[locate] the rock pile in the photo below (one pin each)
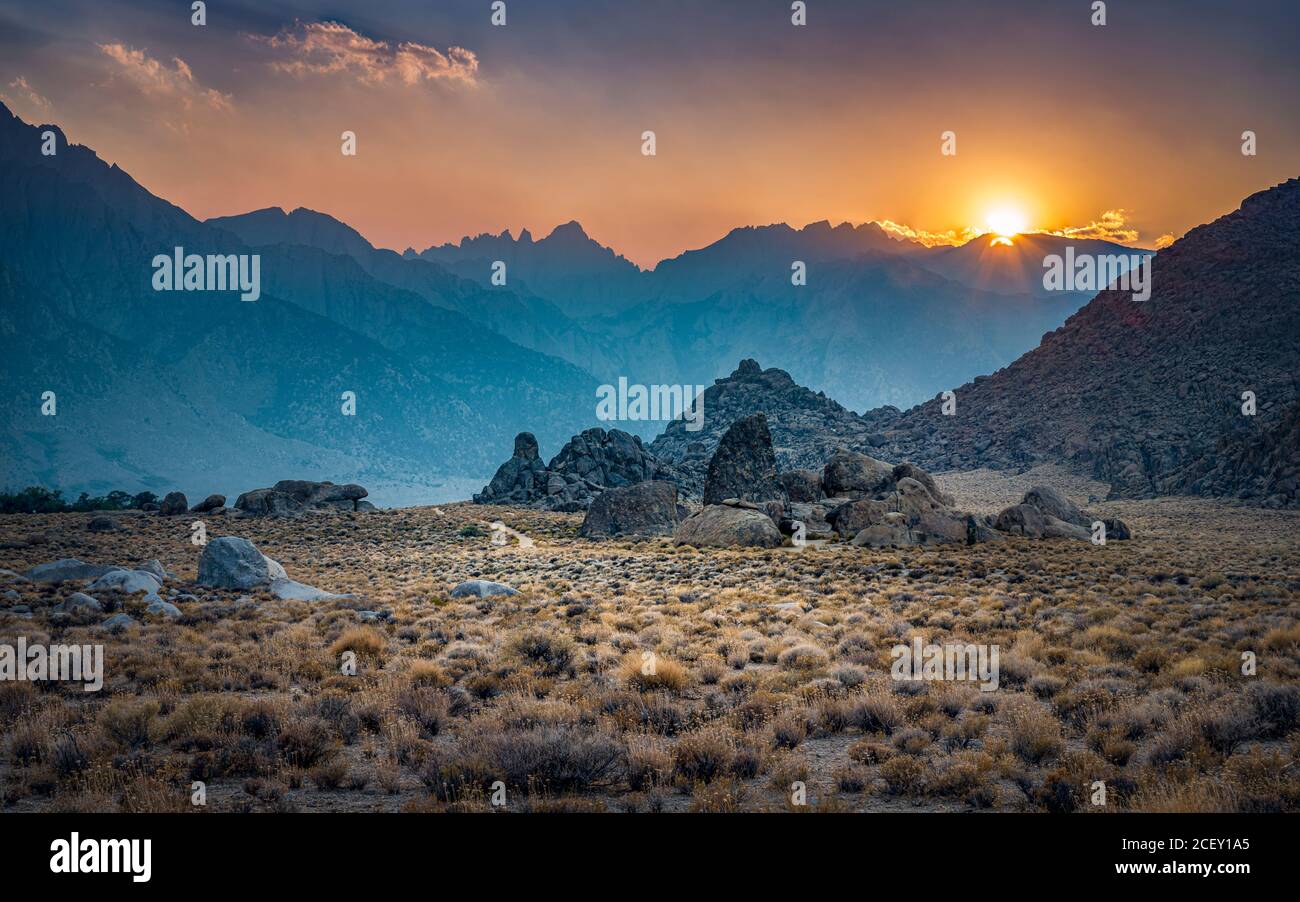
(857, 497)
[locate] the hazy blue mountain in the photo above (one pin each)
(508, 310)
(880, 321)
(201, 391)
(581, 276)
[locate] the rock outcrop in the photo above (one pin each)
(806, 426)
(290, 497)
(1046, 513)
(590, 463)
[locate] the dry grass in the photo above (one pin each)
(629, 675)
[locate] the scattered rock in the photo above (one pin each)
(481, 588)
(103, 524)
(722, 526)
(156, 568)
(210, 503)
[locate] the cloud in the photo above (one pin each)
(929, 239)
(1164, 241)
(1111, 227)
(157, 80)
(324, 48)
(26, 96)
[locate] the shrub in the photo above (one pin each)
(362, 640)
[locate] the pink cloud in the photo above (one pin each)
(153, 78)
(323, 48)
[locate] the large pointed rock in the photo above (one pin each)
(744, 466)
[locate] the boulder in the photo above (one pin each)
(289, 590)
(802, 485)
(893, 533)
(79, 602)
(210, 503)
(1027, 520)
(907, 470)
(722, 526)
(647, 508)
(813, 515)
(128, 582)
(481, 588)
(232, 563)
(744, 464)
(118, 622)
(160, 608)
(1053, 504)
(156, 568)
(173, 505)
(1117, 529)
(103, 524)
(854, 516)
(67, 568)
(855, 475)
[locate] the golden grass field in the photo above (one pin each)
(1120, 663)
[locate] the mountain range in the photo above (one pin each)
(201, 391)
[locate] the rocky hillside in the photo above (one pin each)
(1148, 395)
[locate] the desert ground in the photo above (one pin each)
(1120, 663)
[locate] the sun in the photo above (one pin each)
(1006, 222)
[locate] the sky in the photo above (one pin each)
(1131, 130)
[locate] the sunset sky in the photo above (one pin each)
(1131, 130)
